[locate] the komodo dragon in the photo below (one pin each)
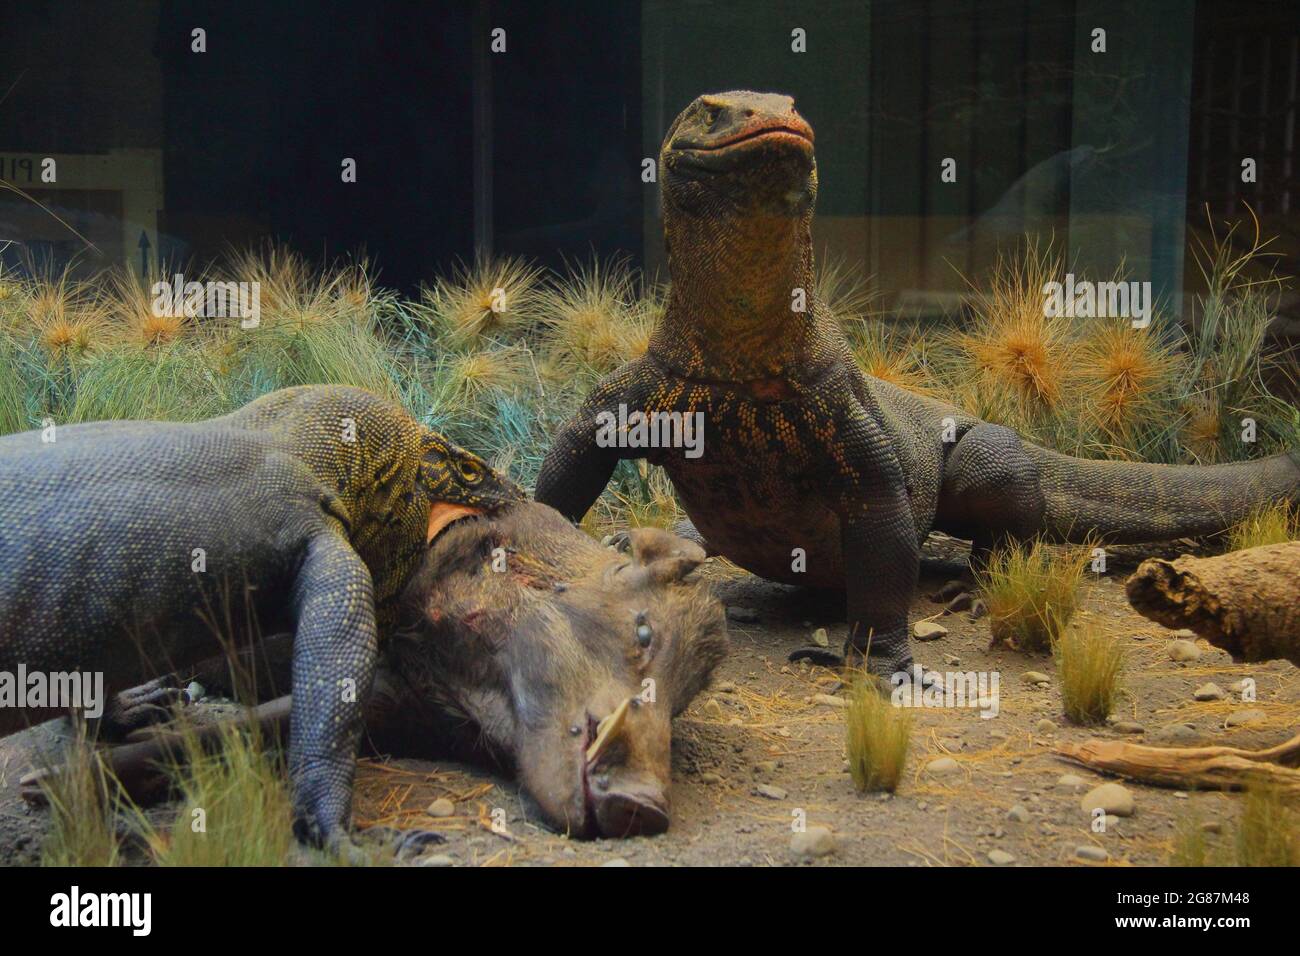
(802, 450)
(122, 545)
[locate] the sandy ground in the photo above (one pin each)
(760, 727)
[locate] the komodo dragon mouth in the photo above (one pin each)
(444, 514)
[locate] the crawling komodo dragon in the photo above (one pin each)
(136, 548)
(803, 451)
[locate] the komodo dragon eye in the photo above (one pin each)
(471, 472)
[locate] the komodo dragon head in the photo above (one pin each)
(395, 484)
(739, 181)
(739, 154)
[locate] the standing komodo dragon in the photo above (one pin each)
(125, 547)
(801, 450)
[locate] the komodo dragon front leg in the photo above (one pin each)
(880, 547)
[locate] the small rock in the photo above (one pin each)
(1183, 651)
(771, 791)
(195, 691)
(617, 861)
(821, 638)
(1001, 858)
(1186, 633)
(1094, 853)
(1240, 686)
(1070, 781)
(812, 843)
(829, 700)
(713, 708)
(711, 778)
(742, 615)
(1239, 717)
(1035, 677)
(1209, 691)
(928, 631)
(1177, 735)
(1045, 726)
(1111, 797)
(952, 660)
(1128, 727)
(765, 766)
(727, 687)
(1018, 814)
(1212, 826)
(942, 766)
(442, 807)
(437, 859)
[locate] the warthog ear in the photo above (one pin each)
(663, 556)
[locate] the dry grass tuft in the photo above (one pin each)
(485, 300)
(1089, 665)
(1272, 523)
(594, 320)
(83, 801)
(877, 735)
(1031, 592)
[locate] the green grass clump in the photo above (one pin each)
(1089, 665)
(1032, 592)
(876, 737)
(83, 802)
(1273, 523)
(239, 795)
(177, 381)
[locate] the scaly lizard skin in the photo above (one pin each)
(310, 506)
(803, 451)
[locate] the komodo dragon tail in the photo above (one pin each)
(1131, 502)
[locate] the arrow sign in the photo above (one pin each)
(144, 256)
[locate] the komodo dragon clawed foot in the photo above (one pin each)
(405, 844)
(882, 676)
(140, 707)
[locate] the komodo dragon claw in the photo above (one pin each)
(140, 707)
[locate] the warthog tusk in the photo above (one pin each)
(608, 730)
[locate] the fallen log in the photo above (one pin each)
(1246, 602)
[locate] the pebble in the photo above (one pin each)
(928, 631)
(952, 660)
(1212, 826)
(1018, 814)
(1209, 691)
(1114, 798)
(1071, 781)
(727, 687)
(1001, 858)
(942, 766)
(742, 615)
(442, 807)
(1183, 650)
(1094, 853)
(437, 859)
(1035, 677)
(1128, 727)
(712, 707)
(765, 766)
(617, 861)
(710, 777)
(812, 843)
(821, 638)
(771, 791)
(830, 700)
(1178, 735)
(1239, 717)
(1045, 726)
(195, 691)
